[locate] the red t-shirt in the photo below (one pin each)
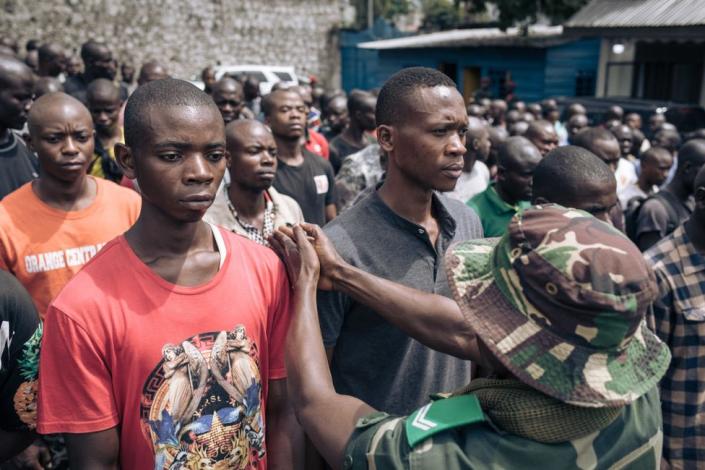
(317, 144)
(182, 370)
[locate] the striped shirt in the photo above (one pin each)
(679, 320)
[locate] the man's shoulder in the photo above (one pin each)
(19, 198)
(117, 193)
(253, 255)
(316, 161)
(466, 218)
(665, 251)
(101, 276)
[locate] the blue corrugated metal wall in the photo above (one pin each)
(565, 62)
(537, 72)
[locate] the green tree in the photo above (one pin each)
(386, 9)
(441, 15)
(449, 14)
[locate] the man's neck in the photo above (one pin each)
(643, 184)
(504, 196)
(695, 229)
(677, 188)
(65, 195)
(248, 203)
(4, 134)
(406, 198)
(108, 136)
(354, 134)
(156, 235)
(290, 151)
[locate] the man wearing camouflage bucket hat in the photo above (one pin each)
(558, 306)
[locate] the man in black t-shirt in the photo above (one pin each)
(20, 335)
(17, 164)
(304, 176)
(97, 63)
(361, 109)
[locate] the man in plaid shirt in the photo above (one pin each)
(679, 320)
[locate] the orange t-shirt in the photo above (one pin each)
(44, 247)
(182, 371)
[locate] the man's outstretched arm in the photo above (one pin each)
(327, 417)
(433, 320)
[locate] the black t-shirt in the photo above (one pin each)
(20, 335)
(311, 184)
(17, 164)
(339, 149)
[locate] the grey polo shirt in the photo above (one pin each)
(372, 359)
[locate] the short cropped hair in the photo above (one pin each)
(588, 136)
(399, 90)
(159, 94)
(268, 100)
(564, 172)
(357, 99)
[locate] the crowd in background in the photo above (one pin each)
(71, 180)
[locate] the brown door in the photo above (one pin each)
(471, 82)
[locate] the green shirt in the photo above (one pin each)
(494, 213)
(632, 441)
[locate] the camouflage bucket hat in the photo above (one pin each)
(560, 300)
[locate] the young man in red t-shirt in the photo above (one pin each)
(167, 349)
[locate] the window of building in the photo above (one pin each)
(585, 83)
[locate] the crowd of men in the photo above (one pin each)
(392, 278)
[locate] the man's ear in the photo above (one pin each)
(700, 198)
(475, 144)
(385, 137)
(126, 160)
(500, 172)
(228, 159)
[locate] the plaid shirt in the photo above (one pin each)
(679, 320)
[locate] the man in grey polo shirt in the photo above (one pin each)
(401, 232)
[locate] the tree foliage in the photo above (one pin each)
(386, 9)
(449, 14)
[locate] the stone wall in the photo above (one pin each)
(190, 34)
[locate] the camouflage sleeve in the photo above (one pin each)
(379, 441)
(348, 185)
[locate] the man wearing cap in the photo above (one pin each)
(556, 308)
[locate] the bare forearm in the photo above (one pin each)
(433, 320)
(285, 439)
(308, 373)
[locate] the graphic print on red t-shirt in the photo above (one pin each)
(200, 406)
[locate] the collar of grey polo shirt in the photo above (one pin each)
(446, 221)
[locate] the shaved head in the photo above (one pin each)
(12, 69)
(152, 71)
(16, 91)
(227, 85)
(103, 90)
(48, 108)
(543, 135)
(238, 130)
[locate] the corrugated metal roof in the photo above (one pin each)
(639, 14)
(537, 35)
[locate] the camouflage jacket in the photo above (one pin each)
(632, 441)
(358, 171)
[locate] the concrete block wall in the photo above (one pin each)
(189, 34)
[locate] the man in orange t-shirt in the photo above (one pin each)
(51, 227)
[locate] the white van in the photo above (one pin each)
(267, 75)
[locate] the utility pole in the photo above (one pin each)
(370, 13)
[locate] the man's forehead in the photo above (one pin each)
(249, 134)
